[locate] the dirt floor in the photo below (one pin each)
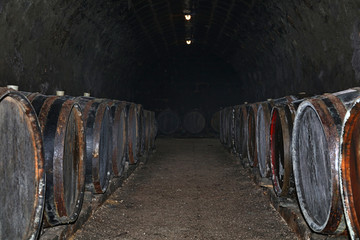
(189, 189)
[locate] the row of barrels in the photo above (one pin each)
(310, 147)
(193, 122)
(54, 148)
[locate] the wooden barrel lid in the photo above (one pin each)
(168, 122)
(22, 178)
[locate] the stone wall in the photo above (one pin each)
(76, 46)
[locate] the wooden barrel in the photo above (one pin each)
(251, 141)
(98, 133)
(194, 122)
(280, 156)
(142, 129)
(315, 156)
(134, 133)
(215, 122)
(349, 169)
(148, 133)
(119, 136)
(229, 126)
(222, 126)
(263, 134)
(168, 122)
(22, 178)
(64, 145)
(154, 129)
(241, 131)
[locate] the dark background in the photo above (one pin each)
(243, 50)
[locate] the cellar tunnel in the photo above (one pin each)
(136, 50)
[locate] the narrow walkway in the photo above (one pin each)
(190, 189)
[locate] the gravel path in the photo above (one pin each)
(189, 189)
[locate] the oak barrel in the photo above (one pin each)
(263, 133)
(64, 146)
(315, 156)
(194, 122)
(119, 136)
(98, 134)
(280, 150)
(240, 130)
(215, 122)
(350, 170)
(168, 122)
(134, 133)
(251, 141)
(22, 178)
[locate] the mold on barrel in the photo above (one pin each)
(22, 177)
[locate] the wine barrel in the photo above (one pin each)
(315, 156)
(349, 169)
(119, 136)
(240, 130)
(22, 178)
(280, 156)
(148, 126)
(134, 133)
(98, 134)
(142, 128)
(251, 141)
(168, 122)
(222, 126)
(194, 122)
(215, 122)
(154, 129)
(63, 133)
(229, 128)
(263, 134)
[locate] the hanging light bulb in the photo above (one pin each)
(188, 41)
(187, 17)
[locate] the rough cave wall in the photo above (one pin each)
(76, 46)
(305, 45)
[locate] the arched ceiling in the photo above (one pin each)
(219, 25)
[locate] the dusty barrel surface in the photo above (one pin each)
(215, 122)
(64, 145)
(251, 141)
(119, 136)
(168, 122)
(315, 156)
(349, 169)
(194, 122)
(22, 178)
(98, 134)
(134, 133)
